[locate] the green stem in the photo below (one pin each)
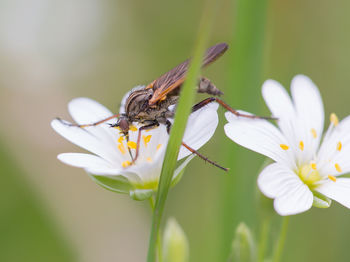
(159, 238)
(263, 241)
(281, 240)
(182, 112)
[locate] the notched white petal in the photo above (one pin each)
(338, 191)
(86, 111)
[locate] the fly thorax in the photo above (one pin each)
(138, 101)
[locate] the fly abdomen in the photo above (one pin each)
(206, 86)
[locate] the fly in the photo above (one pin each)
(150, 105)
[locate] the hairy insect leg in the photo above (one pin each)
(147, 127)
(92, 124)
(227, 107)
(193, 151)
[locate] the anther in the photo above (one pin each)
(126, 164)
(159, 146)
(337, 167)
(313, 166)
(146, 139)
(334, 119)
(120, 139)
(339, 146)
(284, 147)
(313, 132)
(149, 159)
(333, 178)
(301, 145)
(133, 128)
(132, 144)
(121, 148)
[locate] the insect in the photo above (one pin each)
(149, 105)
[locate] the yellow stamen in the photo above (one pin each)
(313, 166)
(132, 145)
(284, 147)
(149, 159)
(159, 146)
(132, 128)
(313, 132)
(121, 148)
(146, 139)
(126, 164)
(337, 167)
(334, 119)
(339, 146)
(116, 127)
(333, 178)
(120, 139)
(301, 145)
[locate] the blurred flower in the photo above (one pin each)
(175, 243)
(306, 172)
(111, 164)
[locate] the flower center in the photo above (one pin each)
(308, 174)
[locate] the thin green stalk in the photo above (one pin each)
(182, 112)
(281, 240)
(242, 92)
(264, 237)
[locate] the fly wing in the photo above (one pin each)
(176, 76)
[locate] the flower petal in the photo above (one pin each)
(335, 149)
(83, 160)
(291, 195)
(310, 113)
(260, 136)
(87, 140)
(85, 110)
(201, 126)
(338, 191)
(296, 200)
(280, 105)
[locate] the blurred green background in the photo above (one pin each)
(52, 51)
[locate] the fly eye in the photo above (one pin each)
(124, 125)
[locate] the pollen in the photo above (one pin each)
(146, 139)
(337, 167)
(313, 132)
(149, 159)
(339, 146)
(133, 128)
(313, 166)
(116, 127)
(159, 146)
(284, 147)
(126, 164)
(334, 119)
(121, 148)
(333, 178)
(120, 139)
(132, 145)
(301, 145)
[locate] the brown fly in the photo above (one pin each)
(149, 105)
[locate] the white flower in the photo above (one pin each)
(305, 172)
(110, 161)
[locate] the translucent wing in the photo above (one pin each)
(176, 76)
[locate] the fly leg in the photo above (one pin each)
(92, 124)
(193, 151)
(147, 127)
(227, 107)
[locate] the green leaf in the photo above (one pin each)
(175, 244)
(118, 184)
(182, 112)
(243, 245)
(321, 201)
